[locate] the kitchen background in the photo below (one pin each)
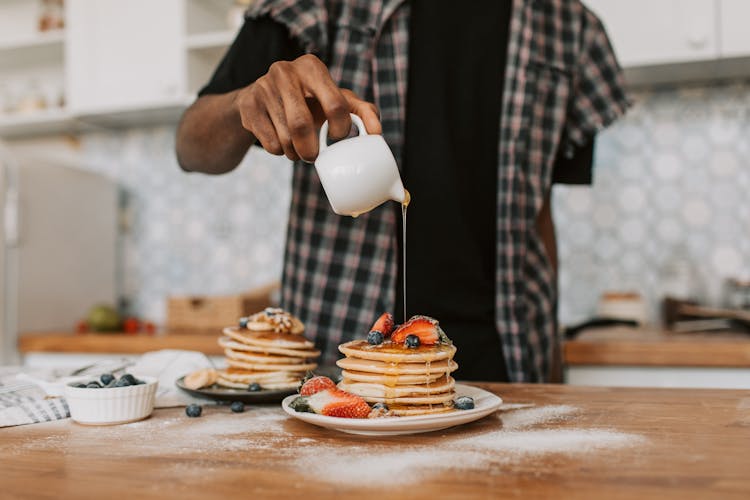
(670, 183)
(668, 212)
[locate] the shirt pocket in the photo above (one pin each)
(350, 58)
(545, 101)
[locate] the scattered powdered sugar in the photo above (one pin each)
(523, 436)
(535, 442)
(527, 432)
(529, 417)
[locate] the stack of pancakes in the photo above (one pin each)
(269, 349)
(411, 381)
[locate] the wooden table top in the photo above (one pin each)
(654, 347)
(573, 442)
(64, 342)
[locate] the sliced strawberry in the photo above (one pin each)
(316, 384)
(427, 329)
(338, 403)
(384, 324)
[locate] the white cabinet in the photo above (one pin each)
(122, 55)
(733, 22)
(650, 32)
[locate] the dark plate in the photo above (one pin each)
(227, 394)
(216, 393)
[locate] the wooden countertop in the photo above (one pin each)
(602, 443)
(643, 347)
(60, 342)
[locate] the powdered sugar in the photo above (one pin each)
(523, 436)
(529, 417)
(526, 433)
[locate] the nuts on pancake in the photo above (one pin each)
(276, 320)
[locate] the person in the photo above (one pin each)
(484, 104)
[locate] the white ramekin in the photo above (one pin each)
(113, 405)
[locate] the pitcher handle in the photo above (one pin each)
(324, 131)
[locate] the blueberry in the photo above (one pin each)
(243, 321)
(463, 403)
(380, 406)
(93, 385)
(131, 379)
(254, 387)
(123, 382)
(106, 378)
(375, 337)
(79, 385)
(237, 407)
(412, 341)
(193, 410)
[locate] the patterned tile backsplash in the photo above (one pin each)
(671, 189)
(191, 233)
(671, 185)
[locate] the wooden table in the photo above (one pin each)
(667, 444)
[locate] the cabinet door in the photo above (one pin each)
(646, 32)
(735, 40)
(124, 55)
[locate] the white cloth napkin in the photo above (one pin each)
(169, 365)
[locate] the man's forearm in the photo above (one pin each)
(210, 136)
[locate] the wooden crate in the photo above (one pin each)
(211, 313)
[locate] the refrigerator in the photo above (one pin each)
(58, 250)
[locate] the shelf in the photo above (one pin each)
(210, 40)
(144, 113)
(53, 121)
(36, 41)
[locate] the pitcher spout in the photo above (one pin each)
(398, 193)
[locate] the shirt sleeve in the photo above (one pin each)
(598, 97)
(261, 42)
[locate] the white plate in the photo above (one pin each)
(484, 404)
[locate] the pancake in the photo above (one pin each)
(389, 352)
(390, 380)
(432, 399)
(261, 358)
(268, 339)
(443, 385)
(271, 367)
(412, 410)
(379, 367)
(228, 343)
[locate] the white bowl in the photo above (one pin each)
(112, 405)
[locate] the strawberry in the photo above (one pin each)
(333, 403)
(425, 328)
(316, 384)
(384, 324)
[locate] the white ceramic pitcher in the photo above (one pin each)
(358, 173)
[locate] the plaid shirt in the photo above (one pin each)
(562, 85)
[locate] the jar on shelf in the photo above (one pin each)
(51, 15)
(32, 99)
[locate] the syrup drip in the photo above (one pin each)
(404, 206)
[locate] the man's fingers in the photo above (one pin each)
(298, 118)
(368, 112)
(317, 82)
(264, 131)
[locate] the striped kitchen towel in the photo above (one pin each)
(25, 403)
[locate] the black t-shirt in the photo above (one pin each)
(456, 69)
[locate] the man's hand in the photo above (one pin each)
(284, 108)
